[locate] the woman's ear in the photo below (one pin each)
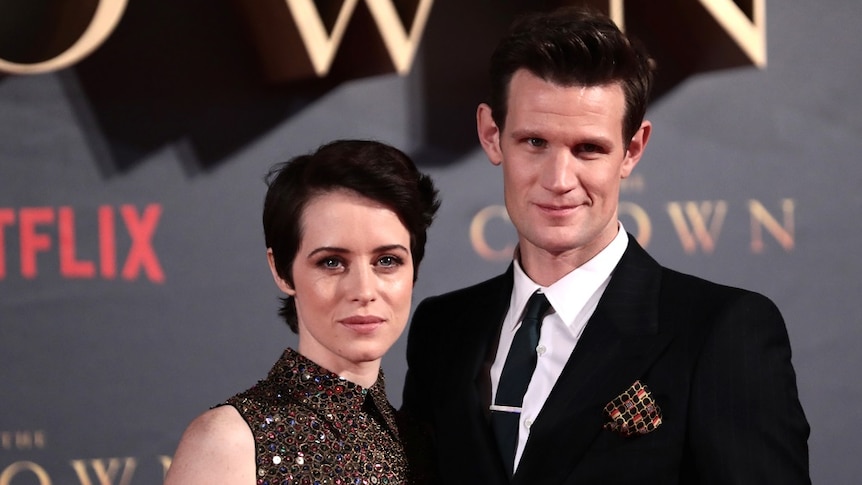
(279, 281)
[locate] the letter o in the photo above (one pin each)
(477, 234)
(644, 226)
(20, 466)
(105, 19)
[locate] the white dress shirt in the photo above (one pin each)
(574, 298)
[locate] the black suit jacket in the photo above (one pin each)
(716, 360)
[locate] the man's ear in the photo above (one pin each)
(279, 281)
(489, 134)
(637, 145)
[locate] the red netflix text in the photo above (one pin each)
(52, 231)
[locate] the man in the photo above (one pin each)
(642, 374)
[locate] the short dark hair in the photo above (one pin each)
(573, 46)
(370, 168)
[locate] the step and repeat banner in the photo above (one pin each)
(135, 135)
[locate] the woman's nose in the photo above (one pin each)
(361, 284)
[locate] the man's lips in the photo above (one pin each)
(558, 209)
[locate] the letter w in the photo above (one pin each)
(105, 475)
(322, 47)
(698, 215)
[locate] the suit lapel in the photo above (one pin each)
(621, 340)
(486, 320)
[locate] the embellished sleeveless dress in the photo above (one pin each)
(312, 427)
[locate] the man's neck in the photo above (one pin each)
(546, 268)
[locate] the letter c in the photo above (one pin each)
(107, 16)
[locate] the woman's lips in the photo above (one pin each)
(363, 323)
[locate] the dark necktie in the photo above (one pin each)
(515, 378)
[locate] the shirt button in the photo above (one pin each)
(528, 423)
(541, 350)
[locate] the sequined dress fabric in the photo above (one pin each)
(312, 427)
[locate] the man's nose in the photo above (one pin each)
(558, 173)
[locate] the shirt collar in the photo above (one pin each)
(569, 294)
(320, 388)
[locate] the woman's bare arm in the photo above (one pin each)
(216, 448)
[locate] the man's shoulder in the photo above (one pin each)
(704, 293)
(466, 309)
(481, 292)
(681, 290)
(695, 282)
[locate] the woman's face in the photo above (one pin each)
(353, 281)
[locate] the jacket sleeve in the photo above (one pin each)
(416, 408)
(746, 423)
(416, 384)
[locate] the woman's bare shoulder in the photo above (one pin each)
(217, 447)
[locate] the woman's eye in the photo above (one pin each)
(330, 263)
(389, 261)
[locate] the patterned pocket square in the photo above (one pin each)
(633, 412)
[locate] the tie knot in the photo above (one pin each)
(537, 306)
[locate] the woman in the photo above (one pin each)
(345, 230)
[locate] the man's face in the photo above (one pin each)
(563, 158)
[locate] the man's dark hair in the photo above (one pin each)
(573, 46)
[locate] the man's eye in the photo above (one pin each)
(536, 142)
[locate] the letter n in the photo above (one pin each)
(693, 36)
(7, 217)
(749, 34)
(761, 218)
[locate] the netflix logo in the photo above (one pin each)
(121, 245)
